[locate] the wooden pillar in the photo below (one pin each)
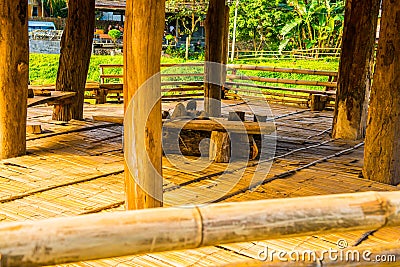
(382, 145)
(14, 65)
(76, 49)
(144, 27)
(214, 53)
(355, 70)
(225, 51)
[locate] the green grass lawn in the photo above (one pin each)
(43, 67)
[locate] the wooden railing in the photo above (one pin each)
(174, 85)
(274, 90)
(180, 83)
(312, 53)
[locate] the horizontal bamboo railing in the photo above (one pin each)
(235, 83)
(279, 80)
(283, 70)
(114, 234)
(311, 53)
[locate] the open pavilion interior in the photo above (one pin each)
(78, 168)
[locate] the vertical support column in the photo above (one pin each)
(14, 65)
(76, 50)
(144, 27)
(355, 70)
(382, 144)
(214, 53)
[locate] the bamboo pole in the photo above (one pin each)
(279, 80)
(284, 70)
(298, 90)
(96, 236)
(234, 31)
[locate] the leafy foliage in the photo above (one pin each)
(289, 24)
(259, 23)
(189, 14)
(114, 34)
(316, 24)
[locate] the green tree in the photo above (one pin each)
(259, 23)
(114, 35)
(189, 15)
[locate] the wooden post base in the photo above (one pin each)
(318, 102)
(101, 96)
(220, 151)
(34, 128)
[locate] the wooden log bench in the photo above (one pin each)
(221, 129)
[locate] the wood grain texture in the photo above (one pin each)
(143, 33)
(382, 147)
(355, 70)
(214, 57)
(105, 235)
(219, 150)
(76, 49)
(14, 65)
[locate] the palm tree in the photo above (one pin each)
(316, 24)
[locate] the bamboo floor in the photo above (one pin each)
(77, 168)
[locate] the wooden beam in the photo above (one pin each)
(89, 237)
(355, 70)
(214, 57)
(382, 145)
(144, 27)
(14, 65)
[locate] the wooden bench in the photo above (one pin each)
(55, 98)
(92, 91)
